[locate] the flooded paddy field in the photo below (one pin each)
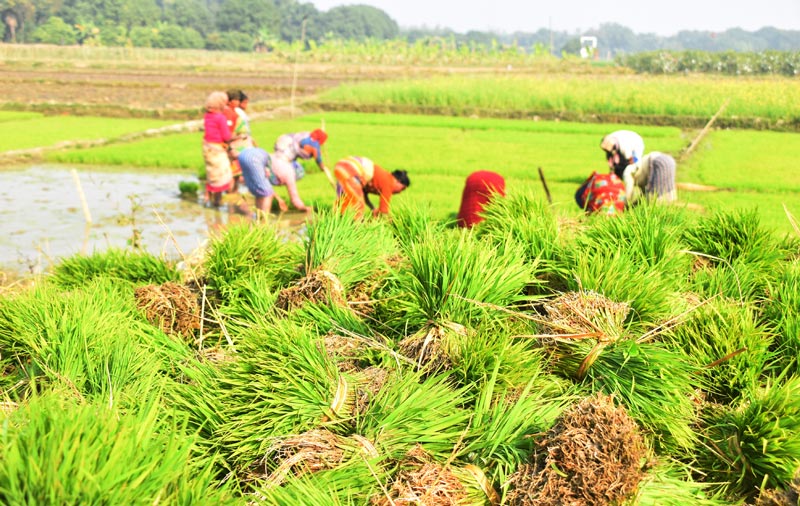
(42, 219)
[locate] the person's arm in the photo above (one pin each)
(294, 195)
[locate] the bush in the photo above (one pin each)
(55, 31)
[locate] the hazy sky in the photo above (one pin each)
(666, 17)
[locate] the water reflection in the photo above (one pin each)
(42, 218)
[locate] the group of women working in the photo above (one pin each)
(230, 152)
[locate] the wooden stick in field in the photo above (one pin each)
(86, 214)
(705, 130)
(546, 189)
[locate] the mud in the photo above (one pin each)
(42, 218)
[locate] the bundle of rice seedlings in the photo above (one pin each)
(498, 438)
(457, 277)
(652, 234)
(282, 383)
(617, 275)
(781, 312)
(755, 444)
(562, 471)
(529, 221)
(656, 385)
(52, 444)
(171, 307)
(727, 344)
(738, 280)
(410, 410)
(585, 314)
(335, 318)
(318, 287)
(431, 348)
(309, 452)
(91, 339)
(669, 485)
(247, 249)
(734, 235)
(369, 381)
(250, 300)
(350, 250)
(411, 222)
(128, 265)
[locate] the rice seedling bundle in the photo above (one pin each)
(726, 343)
(654, 384)
(246, 250)
(782, 313)
(90, 339)
(530, 221)
(351, 250)
(317, 286)
(410, 223)
(755, 444)
(133, 266)
(456, 277)
(593, 455)
(669, 485)
(59, 451)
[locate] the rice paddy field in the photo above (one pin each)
(543, 357)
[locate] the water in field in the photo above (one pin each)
(42, 217)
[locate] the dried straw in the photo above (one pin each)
(319, 286)
(170, 306)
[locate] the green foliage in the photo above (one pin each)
(733, 235)
(55, 31)
(669, 485)
(755, 443)
(782, 313)
(134, 266)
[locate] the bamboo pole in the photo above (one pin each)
(84, 204)
(546, 189)
(705, 130)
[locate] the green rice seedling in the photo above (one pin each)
(90, 339)
(532, 223)
(498, 440)
(249, 299)
(651, 233)
(507, 346)
(282, 382)
(727, 343)
(351, 250)
(733, 235)
(135, 266)
(756, 443)
(59, 451)
(669, 485)
(781, 313)
(350, 484)
(457, 277)
(654, 384)
(411, 410)
(619, 275)
(740, 280)
(411, 222)
(247, 249)
(332, 318)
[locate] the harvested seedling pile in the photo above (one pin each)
(318, 286)
(170, 306)
(345, 350)
(422, 481)
(592, 456)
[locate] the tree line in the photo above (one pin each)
(247, 25)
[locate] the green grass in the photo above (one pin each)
(18, 116)
(36, 131)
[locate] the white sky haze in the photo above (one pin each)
(662, 18)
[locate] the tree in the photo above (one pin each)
(247, 16)
(359, 22)
(55, 31)
(193, 14)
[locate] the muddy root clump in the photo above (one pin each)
(429, 348)
(371, 381)
(310, 452)
(592, 456)
(422, 481)
(344, 350)
(171, 307)
(318, 286)
(584, 313)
